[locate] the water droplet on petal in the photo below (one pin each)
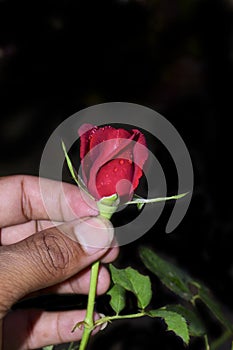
(115, 169)
(121, 161)
(106, 175)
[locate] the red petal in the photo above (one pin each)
(140, 155)
(107, 133)
(107, 151)
(110, 176)
(84, 132)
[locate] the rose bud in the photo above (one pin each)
(112, 160)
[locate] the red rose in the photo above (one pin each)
(120, 156)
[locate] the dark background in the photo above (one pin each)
(57, 57)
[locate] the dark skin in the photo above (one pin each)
(38, 257)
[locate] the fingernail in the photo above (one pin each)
(94, 234)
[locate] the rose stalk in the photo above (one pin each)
(112, 163)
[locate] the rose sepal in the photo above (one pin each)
(108, 205)
(142, 201)
(79, 181)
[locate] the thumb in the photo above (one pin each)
(51, 256)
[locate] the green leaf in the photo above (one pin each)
(214, 306)
(181, 283)
(117, 301)
(195, 324)
(49, 347)
(174, 278)
(175, 322)
(135, 282)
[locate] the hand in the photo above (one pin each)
(36, 257)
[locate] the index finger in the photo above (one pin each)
(21, 200)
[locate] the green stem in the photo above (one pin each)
(71, 346)
(118, 317)
(207, 346)
(194, 298)
(89, 319)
